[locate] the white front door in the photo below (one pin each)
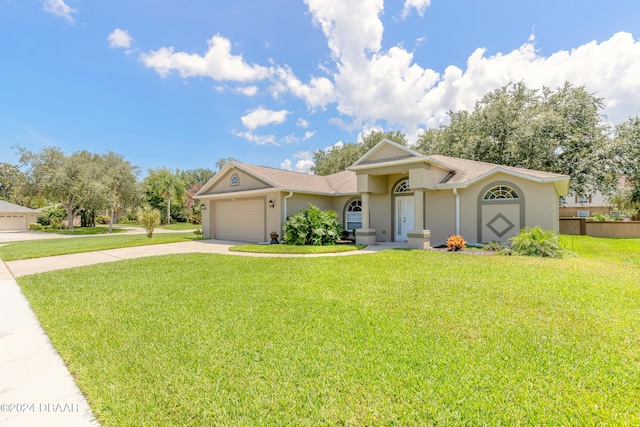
(404, 217)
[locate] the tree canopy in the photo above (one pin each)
(163, 183)
(557, 131)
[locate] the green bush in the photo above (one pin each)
(51, 212)
(124, 220)
(34, 226)
(195, 218)
(56, 223)
(102, 219)
(132, 216)
(537, 242)
(312, 226)
(149, 218)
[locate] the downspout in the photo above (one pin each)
(455, 192)
(284, 207)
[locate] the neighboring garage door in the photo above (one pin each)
(241, 220)
(12, 222)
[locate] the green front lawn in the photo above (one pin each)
(51, 247)
(393, 338)
(79, 231)
(294, 249)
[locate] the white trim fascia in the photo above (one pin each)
(232, 194)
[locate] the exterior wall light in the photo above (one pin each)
(272, 204)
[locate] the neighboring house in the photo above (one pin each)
(391, 194)
(16, 217)
(585, 206)
(594, 203)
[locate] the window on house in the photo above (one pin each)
(235, 180)
(501, 192)
(583, 199)
(353, 216)
(402, 187)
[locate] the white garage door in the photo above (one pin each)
(12, 222)
(241, 220)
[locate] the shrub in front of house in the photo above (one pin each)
(34, 226)
(312, 226)
(49, 213)
(537, 242)
(102, 219)
(456, 243)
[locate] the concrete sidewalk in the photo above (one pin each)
(36, 389)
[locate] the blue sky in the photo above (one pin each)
(184, 83)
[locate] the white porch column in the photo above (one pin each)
(365, 235)
(419, 238)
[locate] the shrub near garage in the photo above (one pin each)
(312, 226)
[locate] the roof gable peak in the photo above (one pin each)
(386, 149)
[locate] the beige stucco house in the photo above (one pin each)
(16, 217)
(391, 194)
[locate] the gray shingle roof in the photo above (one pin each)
(469, 170)
(6, 207)
(337, 183)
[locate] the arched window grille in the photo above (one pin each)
(402, 187)
(501, 192)
(235, 180)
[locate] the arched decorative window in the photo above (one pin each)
(402, 187)
(501, 192)
(353, 215)
(235, 180)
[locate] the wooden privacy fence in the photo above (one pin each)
(580, 226)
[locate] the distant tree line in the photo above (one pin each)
(562, 131)
(87, 185)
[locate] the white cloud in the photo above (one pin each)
(59, 8)
(304, 165)
(258, 139)
(262, 117)
(419, 5)
(302, 123)
(308, 135)
(338, 145)
(248, 90)
(120, 39)
(317, 93)
(373, 87)
(304, 162)
(286, 165)
(217, 63)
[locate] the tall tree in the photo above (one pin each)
(627, 159)
(67, 179)
(121, 183)
(163, 182)
(338, 159)
(191, 177)
(556, 131)
(10, 179)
